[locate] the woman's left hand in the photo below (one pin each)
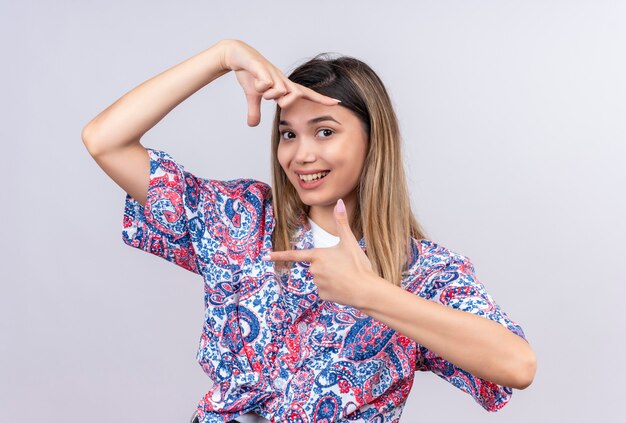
(341, 273)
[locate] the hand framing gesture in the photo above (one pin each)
(261, 79)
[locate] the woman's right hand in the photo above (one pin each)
(113, 136)
(261, 79)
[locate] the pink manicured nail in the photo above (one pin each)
(266, 257)
(341, 208)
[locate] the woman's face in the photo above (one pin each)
(315, 139)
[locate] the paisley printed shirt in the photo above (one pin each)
(269, 344)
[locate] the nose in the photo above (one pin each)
(306, 151)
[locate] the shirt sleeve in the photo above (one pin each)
(455, 285)
(168, 221)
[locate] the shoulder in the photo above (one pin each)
(163, 162)
(243, 189)
(244, 185)
(428, 257)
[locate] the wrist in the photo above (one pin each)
(224, 47)
(221, 48)
(371, 290)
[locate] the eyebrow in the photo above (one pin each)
(313, 121)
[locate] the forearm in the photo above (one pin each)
(478, 345)
(130, 117)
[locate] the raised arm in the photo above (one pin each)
(113, 136)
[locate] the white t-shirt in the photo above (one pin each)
(323, 239)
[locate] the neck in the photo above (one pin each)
(324, 216)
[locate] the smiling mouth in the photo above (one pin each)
(314, 177)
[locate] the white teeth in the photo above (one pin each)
(313, 177)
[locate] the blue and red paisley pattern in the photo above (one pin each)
(269, 343)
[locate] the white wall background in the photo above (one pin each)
(513, 115)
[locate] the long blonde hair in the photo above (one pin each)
(383, 215)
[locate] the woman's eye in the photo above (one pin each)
(287, 135)
(326, 132)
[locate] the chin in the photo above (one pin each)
(322, 203)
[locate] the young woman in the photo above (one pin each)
(323, 295)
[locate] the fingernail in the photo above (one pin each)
(337, 100)
(266, 257)
(341, 208)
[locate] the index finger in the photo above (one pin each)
(290, 255)
(309, 94)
